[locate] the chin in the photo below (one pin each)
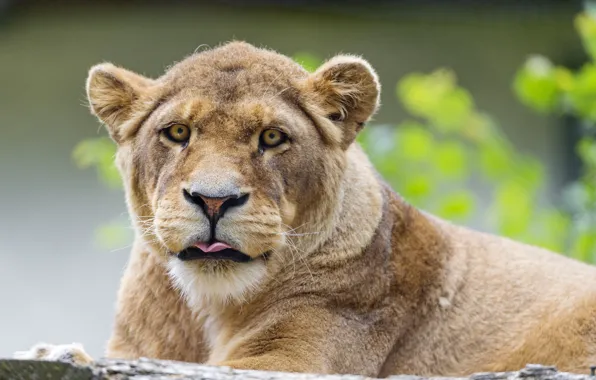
(216, 281)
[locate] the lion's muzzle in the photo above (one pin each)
(214, 208)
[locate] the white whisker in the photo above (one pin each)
(121, 248)
(303, 234)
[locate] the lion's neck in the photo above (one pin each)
(351, 226)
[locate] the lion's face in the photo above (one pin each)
(231, 155)
(227, 172)
(222, 177)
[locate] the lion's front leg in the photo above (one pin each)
(275, 361)
(308, 340)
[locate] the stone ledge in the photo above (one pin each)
(148, 369)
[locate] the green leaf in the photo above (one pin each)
(582, 96)
(92, 151)
(437, 98)
(495, 160)
(529, 172)
(99, 152)
(586, 149)
(513, 208)
(564, 79)
(457, 206)
(309, 61)
(113, 235)
(584, 246)
(415, 143)
(553, 230)
(585, 24)
(417, 187)
(536, 84)
(478, 129)
(450, 157)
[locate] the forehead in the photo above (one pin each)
(236, 87)
(248, 113)
(233, 72)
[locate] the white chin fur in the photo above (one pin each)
(208, 282)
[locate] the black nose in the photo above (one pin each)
(213, 207)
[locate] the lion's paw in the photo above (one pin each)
(70, 353)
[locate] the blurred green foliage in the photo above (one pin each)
(99, 152)
(432, 157)
(552, 89)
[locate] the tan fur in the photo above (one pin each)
(355, 279)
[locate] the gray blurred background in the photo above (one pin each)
(58, 285)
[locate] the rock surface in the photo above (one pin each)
(146, 369)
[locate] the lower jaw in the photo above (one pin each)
(216, 280)
(211, 266)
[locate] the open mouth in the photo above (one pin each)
(214, 251)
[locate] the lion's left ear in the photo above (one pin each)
(349, 90)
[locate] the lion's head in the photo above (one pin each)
(232, 153)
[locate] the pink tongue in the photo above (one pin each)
(215, 247)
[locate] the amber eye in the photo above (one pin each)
(178, 133)
(270, 138)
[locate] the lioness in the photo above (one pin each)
(265, 239)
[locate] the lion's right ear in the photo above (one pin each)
(113, 93)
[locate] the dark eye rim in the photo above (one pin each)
(263, 145)
(335, 117)
(166, 131)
